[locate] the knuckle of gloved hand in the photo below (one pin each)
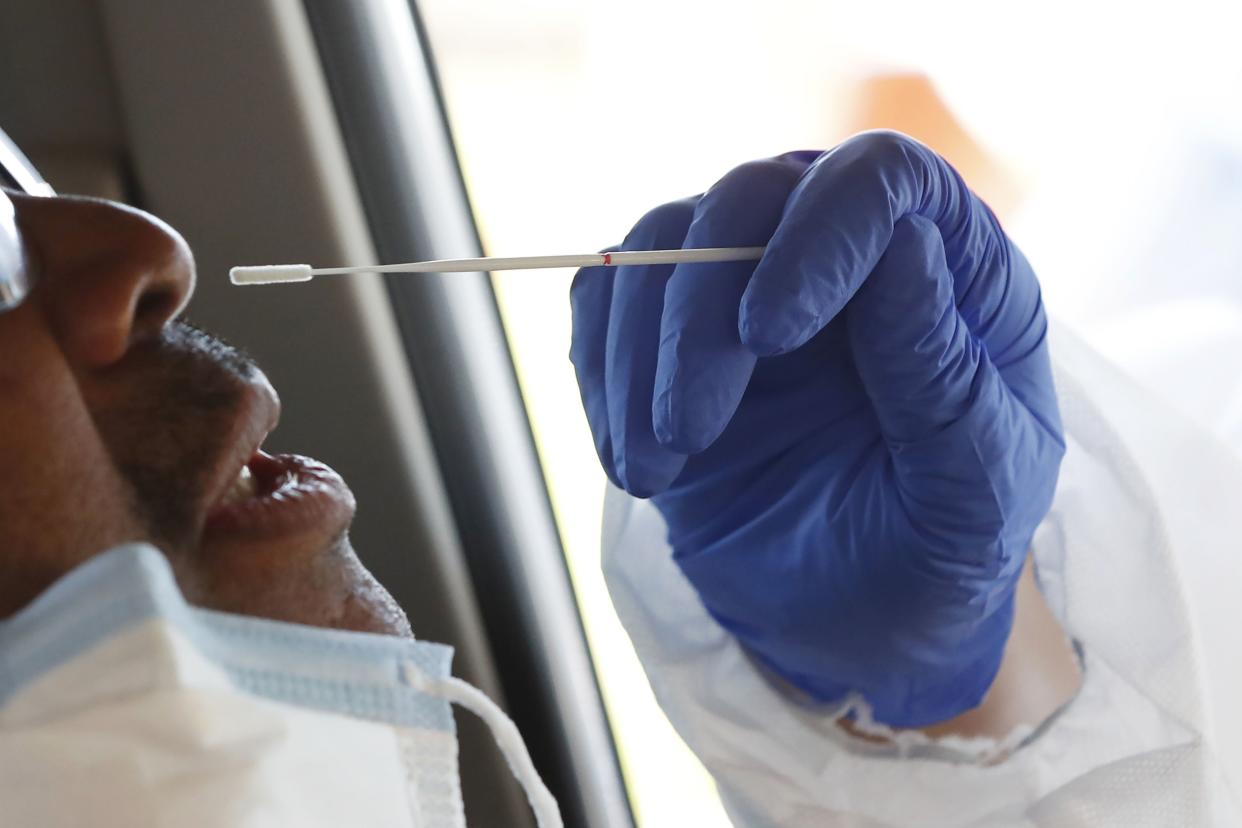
(767, 180)
(800, 158)
(916, 237)
(882, 147)
(662, 227)
(911, 269)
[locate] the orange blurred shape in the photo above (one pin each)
(909, 103)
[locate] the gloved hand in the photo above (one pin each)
(852, 442)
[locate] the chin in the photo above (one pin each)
(304, 579)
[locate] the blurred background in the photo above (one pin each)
(1106, 136)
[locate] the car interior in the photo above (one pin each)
(277, 130)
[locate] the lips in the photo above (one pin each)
(258, 496)
(287, 494)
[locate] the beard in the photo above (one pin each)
(169, 417)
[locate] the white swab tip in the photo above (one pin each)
(270, 274)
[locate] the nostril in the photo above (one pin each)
(154, 308)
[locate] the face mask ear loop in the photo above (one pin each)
(504, 731)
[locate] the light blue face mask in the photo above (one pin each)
(382, 680)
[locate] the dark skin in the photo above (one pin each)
(119, 424)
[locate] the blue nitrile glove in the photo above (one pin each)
(852, 442)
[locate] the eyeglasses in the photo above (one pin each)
(16, 173)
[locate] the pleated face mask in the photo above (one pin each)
(122, 705)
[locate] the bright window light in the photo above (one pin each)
(1114, 169)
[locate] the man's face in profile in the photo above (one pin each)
(119, 424)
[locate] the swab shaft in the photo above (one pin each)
(274, 274)
(466, 265)
(621, 257)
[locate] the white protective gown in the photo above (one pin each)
(1139, 557)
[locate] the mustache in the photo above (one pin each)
(172, 429)
(186, 338)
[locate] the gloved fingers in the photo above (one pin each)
(631, 350)
(914, 353)
(703, 367)
(590, 301)
(836, 226)
(943, 411)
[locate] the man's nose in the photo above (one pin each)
(108, 276)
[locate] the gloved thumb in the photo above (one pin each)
(941, 405)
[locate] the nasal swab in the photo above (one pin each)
(271, 274)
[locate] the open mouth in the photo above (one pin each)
(279, 495)
(244, 487)
(259, 496)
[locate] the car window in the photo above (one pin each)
(1113, 171)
